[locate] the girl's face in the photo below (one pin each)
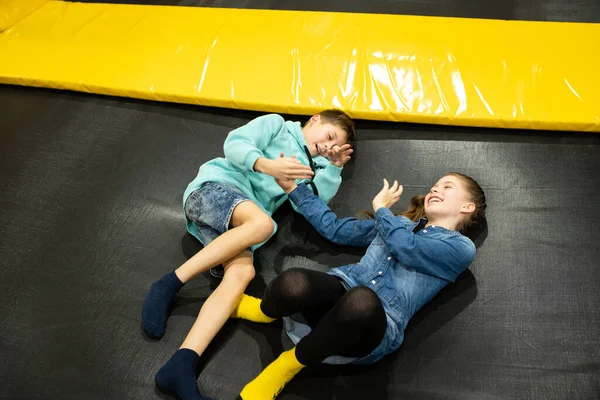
(448, 198)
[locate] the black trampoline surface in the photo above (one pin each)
(529, 10)
(90, 210)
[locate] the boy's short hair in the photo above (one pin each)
(340, 119)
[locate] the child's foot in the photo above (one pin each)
(156, 305)
(249, 308)
(178, 376)
(273, 379)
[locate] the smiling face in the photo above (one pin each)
(448, 198)
(321, 136)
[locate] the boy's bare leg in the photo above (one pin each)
(250, 225)
(178, 375)
(217, 309)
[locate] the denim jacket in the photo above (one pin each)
(406, 269)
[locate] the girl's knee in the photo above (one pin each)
(360, 302)
(362, 293)
(290, 284)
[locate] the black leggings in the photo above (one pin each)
(349, 323)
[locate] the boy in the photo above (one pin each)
(228, 207)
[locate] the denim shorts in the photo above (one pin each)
(210, 209)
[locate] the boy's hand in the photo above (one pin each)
(339, 155)
(284, 168)
(387, 196)
(288, 185)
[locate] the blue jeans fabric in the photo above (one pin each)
(211, 207)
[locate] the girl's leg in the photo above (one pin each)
(354, 327)
(296, 290)
(250, 225)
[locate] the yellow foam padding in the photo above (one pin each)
(12, 11)
(385, 67)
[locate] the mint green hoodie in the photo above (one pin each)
(266, 136)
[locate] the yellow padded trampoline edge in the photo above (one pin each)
(412, 69)
(310, 110)
(11, 11)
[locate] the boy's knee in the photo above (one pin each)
(240, 272)
(263, 227)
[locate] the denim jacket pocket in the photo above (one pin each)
(392, 304)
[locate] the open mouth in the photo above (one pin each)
(435, 200)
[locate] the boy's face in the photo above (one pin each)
(321, 136)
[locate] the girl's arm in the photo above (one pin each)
(344, 231)
(444, 259)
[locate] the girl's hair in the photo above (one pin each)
(416, 208)
(471, 225)
(468, 227)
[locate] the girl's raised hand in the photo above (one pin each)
(387, 196)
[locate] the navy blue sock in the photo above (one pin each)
(156, 305)
(178, 376)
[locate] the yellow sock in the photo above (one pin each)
(273, 379)
(249, 308)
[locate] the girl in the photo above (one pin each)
(357, 313)
(228, 207)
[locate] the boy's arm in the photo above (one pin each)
(244, 148)
(244, 145)
(343, 231)
(327, 180)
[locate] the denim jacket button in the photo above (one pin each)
(424, 230)
(389, 258)
(373, 282)
(380, 272)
